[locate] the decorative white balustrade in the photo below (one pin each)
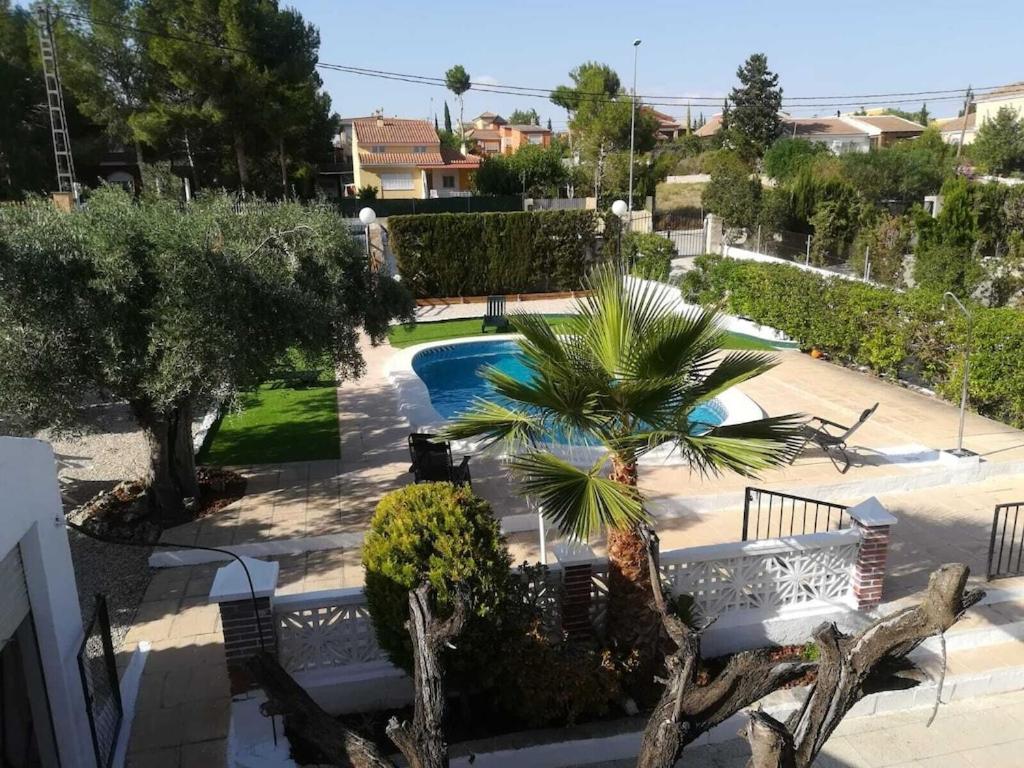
(333, 628)
(766, 575)
(330, 628)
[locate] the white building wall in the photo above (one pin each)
(33, 519)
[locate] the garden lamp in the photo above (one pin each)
(620, 209)
(367, 216)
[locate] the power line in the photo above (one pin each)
(793, 102)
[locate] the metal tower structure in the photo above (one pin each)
(55, 102)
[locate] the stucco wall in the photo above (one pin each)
(33, 519)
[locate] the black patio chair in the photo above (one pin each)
(832, 437)
(432, 461)
(494, 317)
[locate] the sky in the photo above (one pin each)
(689, 49)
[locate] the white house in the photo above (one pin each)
(44, 719)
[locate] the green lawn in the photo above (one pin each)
(276, 423)
(407, 335)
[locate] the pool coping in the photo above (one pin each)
(415, 408)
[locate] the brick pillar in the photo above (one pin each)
(873, 522)
(239, 619)
(578, 571)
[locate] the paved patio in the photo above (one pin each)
(182, 718)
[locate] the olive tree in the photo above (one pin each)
(166, 307)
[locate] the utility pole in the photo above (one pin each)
(963, 124)
(55, 103)
(632, 129)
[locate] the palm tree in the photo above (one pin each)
(625, 375)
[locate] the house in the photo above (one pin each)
(494, 135)
(837, 133)
(984, 108)
(668, 127)
(884, 130)
(43, 717)
(404, 159)
(951, 129)
(987, 105)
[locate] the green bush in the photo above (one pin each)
(475, 254)
(448, 536)
(907, 333)
(732, 193)
(649, 255)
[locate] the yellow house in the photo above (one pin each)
(986, 107)
(404, 159)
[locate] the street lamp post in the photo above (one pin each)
(620, 209)
(632, 124)
(967, 367)
(367, 216)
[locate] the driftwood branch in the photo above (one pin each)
(336, 743)
(422, 742)
(845, 663)
(770, 742)
(687, 710)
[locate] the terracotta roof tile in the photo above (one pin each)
(394, 130)
(400, 158)
(1011, 91)
(813, 126)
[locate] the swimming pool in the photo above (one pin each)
(436, 380)
(451, 373)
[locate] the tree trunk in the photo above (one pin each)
(328, 735)
(687, 710)
(139, 162)
(284, 167)
(422, 742)
(633, 626)
(171, 474)
(846, 662)
(242, 160)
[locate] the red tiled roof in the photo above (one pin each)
(525, 128)
(488, 134)
(400, 158)
(664, 119)
(394, 130)
(446, 158)
(450, 158)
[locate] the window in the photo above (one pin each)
(390, 182)
(448, 182)
(377, 149)
(419, 150)
(536, 138)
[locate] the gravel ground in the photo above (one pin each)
(113, 450)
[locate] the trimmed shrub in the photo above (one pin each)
(448, 536)
(906, 333)
(475, 254)
(649, 255)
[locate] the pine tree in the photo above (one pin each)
(447, 119)
(923, 116)
(754, 120)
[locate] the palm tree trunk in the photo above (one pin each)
(634, 627)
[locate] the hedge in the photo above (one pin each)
(475, 254)
(906, 334)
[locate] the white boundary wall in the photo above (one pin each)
(33, 520)
(742, 254)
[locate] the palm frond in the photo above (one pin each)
(676, 343)
(579, 501)
(494, 422)
(746, 448)
(735, 368)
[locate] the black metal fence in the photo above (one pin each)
(1006, 544)
(98, 668)
(770, 515)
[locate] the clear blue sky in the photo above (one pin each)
(689, 48)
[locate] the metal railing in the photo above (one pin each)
(98, 668)
(768, 514)
(1006, 543)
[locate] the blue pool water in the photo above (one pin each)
(451, 374)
